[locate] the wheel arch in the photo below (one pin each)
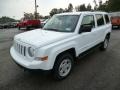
(108, 35)
(71, 50)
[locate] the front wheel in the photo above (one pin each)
(63, 66)
(104, 45)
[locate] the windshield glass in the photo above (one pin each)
(62, 23)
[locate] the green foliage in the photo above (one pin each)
(82, 7)
(53, 11)
(110, 5)
(70, 7)
(29, 16)
(89, 7)
(46, 17)
(114, 5)
(102, 6)
(60, 10)
(56, 11)
(5, 19)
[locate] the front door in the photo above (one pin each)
(85, 39)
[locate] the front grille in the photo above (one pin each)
(21, 49)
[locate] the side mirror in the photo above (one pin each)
(85, 28)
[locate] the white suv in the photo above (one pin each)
(63, 38)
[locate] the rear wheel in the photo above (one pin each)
(19, 28)
(27, 28)
(104, 45)
(63, 66)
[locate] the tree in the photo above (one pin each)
(100, 2)
(31, 16)
(114, 5)
(89, 7)
(96, 6)
(110, 5)
(46, 17)
(70, 7)
(77, 8)
(65, 10)
(60, 10)
(6, 19)
(28, 16)
(81, 8)
(102, 6)
(56, 11)
(53, 11)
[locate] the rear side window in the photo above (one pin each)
(88, 20)
(100, 20)
(107, 19)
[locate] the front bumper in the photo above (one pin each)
(29, 64)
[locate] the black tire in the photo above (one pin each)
(119, 27)
(61, 63)
(27, 28)
(112, 27)
(104, 44)
(19, 28)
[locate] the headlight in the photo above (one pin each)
(31, 51)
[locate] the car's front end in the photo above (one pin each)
(31, 49)
(24, 55)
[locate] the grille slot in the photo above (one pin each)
(21, 49)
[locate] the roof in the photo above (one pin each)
(84, 12)
(114, 14)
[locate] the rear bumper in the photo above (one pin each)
(28, 64)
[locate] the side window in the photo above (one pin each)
(88, 20)
(107, 18)
(100, 20)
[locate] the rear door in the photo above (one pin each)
(99, 31)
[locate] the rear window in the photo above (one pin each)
(107, 19)
(100, 20)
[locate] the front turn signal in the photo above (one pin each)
(43, 58)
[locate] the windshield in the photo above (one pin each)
(62, 23)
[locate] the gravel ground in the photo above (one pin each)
(96, 71)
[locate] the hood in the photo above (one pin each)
(41, 37)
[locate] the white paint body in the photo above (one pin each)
(51, 43)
